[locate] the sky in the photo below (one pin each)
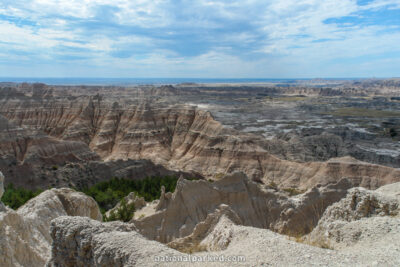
(200, 39)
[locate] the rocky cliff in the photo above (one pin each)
(81, 242)
(362, 225)
(31, 158)
(182, 138)
(178, 214)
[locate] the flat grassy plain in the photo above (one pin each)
(364, 112)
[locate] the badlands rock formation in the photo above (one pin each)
(208, 235)
(33, 159)
(178, 214)
(25, 238)
(81, 242)
(182, 138)
(319, 144)
(104, 244)
(362, 217)
(364, 226)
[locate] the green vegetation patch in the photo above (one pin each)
(124, 213)
(16, 197)
(364, 112)
(108, 193)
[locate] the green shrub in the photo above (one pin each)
(16, 197)
(108, 193)
(124, 213)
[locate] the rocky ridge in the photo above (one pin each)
(42, 160)
(361, 228)
(182, 138)
(223, 232)
(178, 214)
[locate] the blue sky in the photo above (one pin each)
(207, 39)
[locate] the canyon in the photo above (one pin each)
(285, 174)
(58, 128)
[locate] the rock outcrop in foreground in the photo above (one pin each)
(362, 217)
(81, 242)
(25, 238)
(364, 227)
(177, 214)
(219, 236)
(229, 218)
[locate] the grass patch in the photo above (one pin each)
(290, 98)
(363, 112)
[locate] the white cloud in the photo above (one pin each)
(286, 35)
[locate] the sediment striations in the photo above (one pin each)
(31, 158)
(25, 238)
(182, 138)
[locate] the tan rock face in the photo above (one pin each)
(33, 159)
(81, 242)
(182, 138)
(364, 226)
(84, 242)
(208, 235)
(363, 216)
(30, 145)
(25, 238)
(253, 205)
